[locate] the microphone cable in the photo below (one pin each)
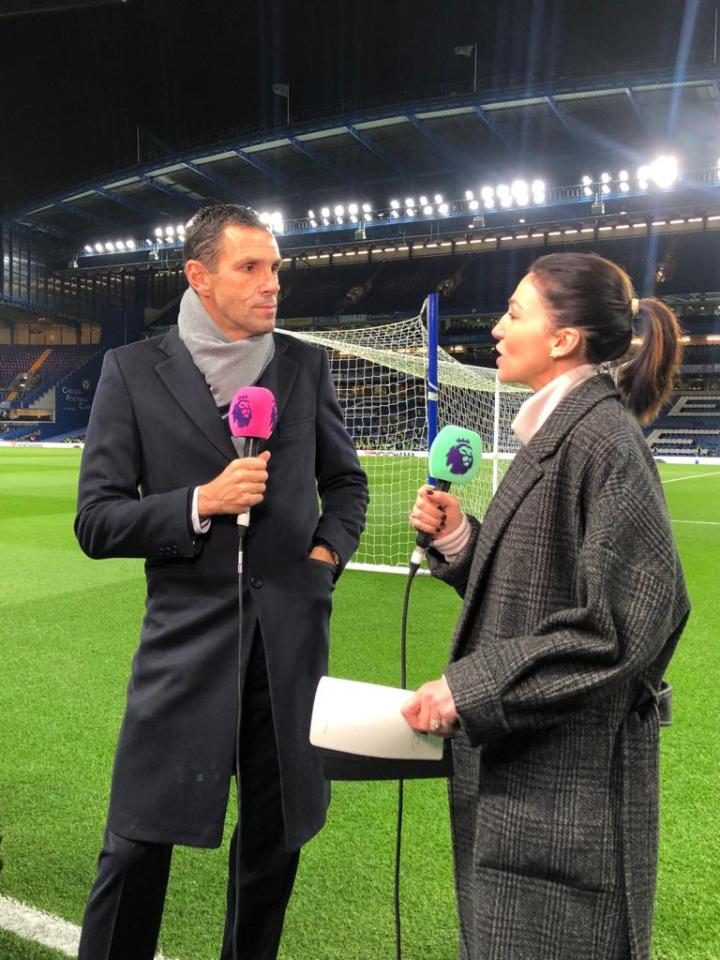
(242, 529)
(412, 570)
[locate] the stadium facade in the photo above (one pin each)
(456, 193)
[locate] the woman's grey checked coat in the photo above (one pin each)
(574, 602)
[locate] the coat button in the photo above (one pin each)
(256, 582)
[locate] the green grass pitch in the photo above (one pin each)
(69, 626)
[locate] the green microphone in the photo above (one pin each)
(455, 457)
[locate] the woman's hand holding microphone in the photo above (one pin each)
(435, 512)
(431, 709)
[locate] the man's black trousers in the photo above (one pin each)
(124, 910)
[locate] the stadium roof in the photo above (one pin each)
(450, 142)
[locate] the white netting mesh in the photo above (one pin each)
(379, 375)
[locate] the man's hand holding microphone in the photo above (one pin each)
(241, 485)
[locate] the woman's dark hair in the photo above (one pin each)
(203, 232)
(595, 295)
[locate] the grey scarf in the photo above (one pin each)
(226, 364)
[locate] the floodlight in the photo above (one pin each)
(353, 209)
(311, 214)
(443, 209)
(110, 247)
(325, 212)
(473, 205)
(519, 188)
(605, 188)
(469, 195)
(487, 193)
(664, 171)
(339, 221)
(394, 204)
(367, 216)
(586, 180)
(409, 202)
(489, 203)
(538, 186)
(367, 208)
(423, 200)
(503, 190)
(604, 178)
(438, 198)
(313, 223)
(130, 244)
(325, 221)
(88, 248)
(587, 191)
(339, 210)
(99, 248)
(409, 211)
(427, 209)
(170, 231)
(353, 218)
(119, 245)
(623, 176)
(158, 231)
(394, 214)
(624, 186)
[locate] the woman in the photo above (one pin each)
(574, 601)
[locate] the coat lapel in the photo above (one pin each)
(280, 374)
(522, 475)
(187, 385)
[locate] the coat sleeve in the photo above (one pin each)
(342, 484)
(629, 602)
(457, 571)
(113, 519)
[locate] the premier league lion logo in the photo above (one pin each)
(242, 411)
(460, 457)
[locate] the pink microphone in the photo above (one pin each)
(252, 417)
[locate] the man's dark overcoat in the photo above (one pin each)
(155, 433)
(574, 602)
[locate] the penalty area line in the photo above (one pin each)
(29, 923)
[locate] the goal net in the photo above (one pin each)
(380, 380)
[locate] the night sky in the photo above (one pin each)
(76, 84)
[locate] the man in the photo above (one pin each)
(160, 480)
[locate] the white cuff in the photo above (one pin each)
(453, 544)
(198, 525)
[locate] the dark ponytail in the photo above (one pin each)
(647, 379)
(595, 295)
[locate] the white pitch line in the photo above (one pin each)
(693, 476)
(703, 523)
(41, 927)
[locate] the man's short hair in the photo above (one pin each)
(203, 232)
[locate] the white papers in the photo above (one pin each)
(365, 719)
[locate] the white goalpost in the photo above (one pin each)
(386, 395)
